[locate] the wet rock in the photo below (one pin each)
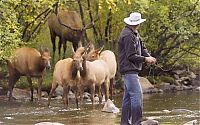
(21, 93)
(181, 111)
(167, 87)
(193, 122)
(96, 99)
(145, 83)
(147, 87)
(9, 118)
(49, 123)
(179, 88)
(150, 122)
(110, 107)
(3, 97)
(58, 97)
(44, 94)
(71, 95)
(153, 90)
(198, 89)
(166, 111)
(86, 95)
(1, 90)
(59, 91)
(187, 87)
(196, 81)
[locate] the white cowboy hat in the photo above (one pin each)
(134, 19)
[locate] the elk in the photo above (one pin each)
(94, 73)
(67, 25)
(30, 63)
(67, 74)
(110, 59)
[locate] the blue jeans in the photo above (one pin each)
(132, 104)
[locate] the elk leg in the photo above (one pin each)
(75, 46)
(64, 48)
(111, 88)
(31, 87)
(81, 89)
(92, 89)
(76, 96)
(53, 88)
(59, 46)
(99, 94)
(40, 80)
(65, 95)
(53, 41)
(106, 86)
(12, 81)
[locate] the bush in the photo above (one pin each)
(168, 79)
(160, 79)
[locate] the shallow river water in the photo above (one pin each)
(23, 112)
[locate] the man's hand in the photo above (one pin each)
(150, 60)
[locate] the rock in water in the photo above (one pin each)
(110, 107)
(150, 122)
(49, 123)
(193, 122)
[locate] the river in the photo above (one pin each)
(23, 112)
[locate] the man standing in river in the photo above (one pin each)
(132, 53)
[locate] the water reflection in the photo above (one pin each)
(155, 107)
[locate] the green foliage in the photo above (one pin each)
(172, 33)
(159, 79)
(154, 80)
(19, 22)
(167, 79)
(10, 29)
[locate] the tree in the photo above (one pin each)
(172, 33)
(20, 21)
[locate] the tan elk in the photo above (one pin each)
(30, 63)
(67, 74)
(109, 57)
(95, 73)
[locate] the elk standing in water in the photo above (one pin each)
(94, 73)
(67, 74)
(30, 63)
(110, 59)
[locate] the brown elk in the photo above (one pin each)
(110, 59)
(30, 63)
(67, 25)
(67, 74)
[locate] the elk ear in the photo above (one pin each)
(100, 49)
(41, 49)
(91, 46)
(73, 52)
(80, 44)
(87, 48)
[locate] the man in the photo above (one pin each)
(132, 53)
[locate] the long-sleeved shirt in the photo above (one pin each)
(132, 51)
